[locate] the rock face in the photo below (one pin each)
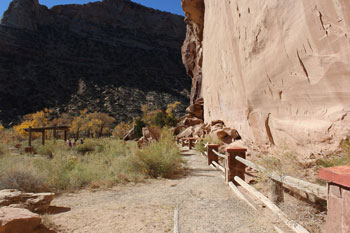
(277, 71)
(111, 56)
(35, 202)
(15, 220)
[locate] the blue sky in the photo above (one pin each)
(173, 6)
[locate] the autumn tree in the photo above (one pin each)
(160, 117)
(100, 123)
(34, 120)
(92, 124)
(79, 123)
(121, 130)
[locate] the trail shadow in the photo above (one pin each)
(200, 172)
(57, 210)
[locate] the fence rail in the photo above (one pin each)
(317, 190)
(235, 163)
(310, 188)
(233, 175)
(220, 155)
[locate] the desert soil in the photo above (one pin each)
(205, 204)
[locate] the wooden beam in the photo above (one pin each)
(43, 137)
(317, 190)
(305, 186)
(176, 220)
(278, 230)
(293, 225)
(30, 137)
(54, 132)
(239, 194)
(219, 166)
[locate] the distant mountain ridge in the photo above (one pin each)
(110, 56)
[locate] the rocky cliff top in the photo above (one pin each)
(109, 56)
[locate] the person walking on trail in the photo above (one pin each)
(69, 143)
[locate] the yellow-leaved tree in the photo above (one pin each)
(121, 129)
(92, 124)
(79, 124)
(34, 120)
(100, 123)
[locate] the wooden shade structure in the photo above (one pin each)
(42, 130)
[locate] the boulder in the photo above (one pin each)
(199, 101)
(186, 133)
(18, 220)
(199, 131)
(221, 133)
(151, 134)
(195, 110)
(192, 121)
(35, 202)
(179, 129)
(217, 122)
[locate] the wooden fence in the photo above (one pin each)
(234, 168)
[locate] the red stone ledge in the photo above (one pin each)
(338, 175)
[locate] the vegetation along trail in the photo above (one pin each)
(149, 207)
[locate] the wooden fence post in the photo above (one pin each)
(277, 192)
(43, 137)
(30, 137)
(190, 143)
(211, 155)
(338, 206)
(54, 132)
(232, 166)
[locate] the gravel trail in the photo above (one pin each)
(205, 205)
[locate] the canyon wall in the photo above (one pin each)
(110, 56)
(277, 71)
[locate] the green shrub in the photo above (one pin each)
(160, 159)
(3, 149)
(20, 172)
(108, 162)
(139, 124)
(87, 147)
(47, 150)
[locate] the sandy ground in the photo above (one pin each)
(204, 202)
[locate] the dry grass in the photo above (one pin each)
(100, 163)
(305, 214)
(200, 145)
(339, 159)
(284, 162)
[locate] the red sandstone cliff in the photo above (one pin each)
(277, 71)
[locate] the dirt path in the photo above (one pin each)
(204, 202)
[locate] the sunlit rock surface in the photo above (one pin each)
(277, 71)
